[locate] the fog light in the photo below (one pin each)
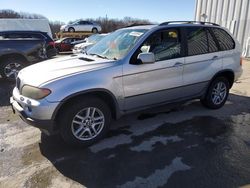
(28, 102)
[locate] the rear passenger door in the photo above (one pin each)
(203, 59)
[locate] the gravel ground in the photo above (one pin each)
(184, 146)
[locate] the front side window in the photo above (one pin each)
(224, 39)
(164, 44)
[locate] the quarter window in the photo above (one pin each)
(212, 46)
(165, 45)
(224, 39)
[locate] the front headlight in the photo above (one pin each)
(34, 92)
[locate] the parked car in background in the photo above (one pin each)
(79, 41)
(131, 69)
(17, 53)
(49, 42)
(82, 25)
(20, 24)
(65, 44)
(88, 43)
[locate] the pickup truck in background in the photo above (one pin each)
(17, 53)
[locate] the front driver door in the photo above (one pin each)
(148, 84)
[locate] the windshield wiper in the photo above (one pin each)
(103, 57)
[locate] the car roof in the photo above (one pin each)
(141, 27)
(174, 24)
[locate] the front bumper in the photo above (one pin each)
(35, 113)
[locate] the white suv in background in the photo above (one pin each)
(129, 70)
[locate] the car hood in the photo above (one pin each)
(40, 73)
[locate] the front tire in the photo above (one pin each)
(94, 30)
(217, 93)
(10, 67)
(71, 30)
(85, 121)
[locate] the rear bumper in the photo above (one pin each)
(238, 73)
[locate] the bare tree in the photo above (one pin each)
(107, 24)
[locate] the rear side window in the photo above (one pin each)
(200, 41)
(197, 42)
(224, 39)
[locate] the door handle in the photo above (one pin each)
(178, 64)
(215, 57)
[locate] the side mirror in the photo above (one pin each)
(146, 57)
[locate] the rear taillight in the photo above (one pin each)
(52, 43)
(241, 61)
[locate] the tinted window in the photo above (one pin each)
(17, 35)
(89, 23)
(24, 35)
(165, 45)
(37, 36)
(212, 46)
(224, 39)
(83, 22)
(197, 42)
(67, 41)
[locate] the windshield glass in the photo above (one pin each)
(96, 39)
(117, 44)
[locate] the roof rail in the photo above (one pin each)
(137, 24)
(189, 22)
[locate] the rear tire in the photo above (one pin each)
(10, 67)
(217, 93)
(84, 121)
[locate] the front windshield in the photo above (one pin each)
(117, 44)
(92, 38)
(95, 38)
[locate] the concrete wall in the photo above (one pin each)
(232, 14)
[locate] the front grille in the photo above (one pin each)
(18, 83)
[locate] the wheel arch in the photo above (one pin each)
(228, 73)
(103, 94)
(13, 55)
(71, 27)
(94, 27)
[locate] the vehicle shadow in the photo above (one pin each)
(142, 150)
(6, 88)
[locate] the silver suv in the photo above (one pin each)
(131, 69)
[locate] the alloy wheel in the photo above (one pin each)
(11, 70)
(219, 93)
(87, 123)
